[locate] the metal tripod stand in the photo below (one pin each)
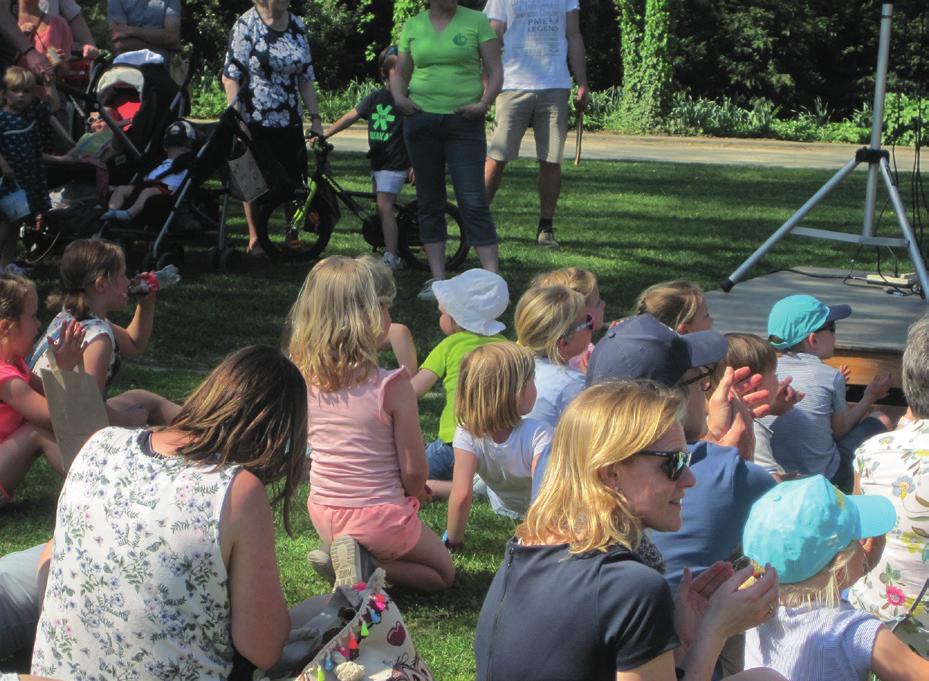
(878, 165)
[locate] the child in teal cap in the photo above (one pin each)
(821, 542)
(821, 433)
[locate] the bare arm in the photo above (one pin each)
(892, 660)
(400, 83)
(126, 38)
(29, 403)
(260, 621)
(83, 36)
(577, 57)
(347, 120)
(231, 87)
(400, 403)
(423, 381)
(459, 501)
(844, 421)
(308, 93)
(493, 80)
(401, 343)
(97, 356)
(133, 340)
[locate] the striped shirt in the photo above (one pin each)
(802, 438)
(822, 644)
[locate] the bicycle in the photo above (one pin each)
(313, 211)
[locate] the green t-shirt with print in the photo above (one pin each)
(445, 361)
(447, 63)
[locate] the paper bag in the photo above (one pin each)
(75, 405)
(247, 177)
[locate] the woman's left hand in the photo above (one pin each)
(68, 348)
(693, 598)
(90, 51)
(476, 111)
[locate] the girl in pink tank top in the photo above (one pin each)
(368, 469)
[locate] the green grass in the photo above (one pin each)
(632, 224)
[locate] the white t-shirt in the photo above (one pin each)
(65, 8)
(172, 181)
(556, 385)
(506, 466)
(535, 44)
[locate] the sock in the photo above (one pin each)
(545, 224)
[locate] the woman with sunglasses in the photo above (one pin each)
(553, 323)
(582, 582)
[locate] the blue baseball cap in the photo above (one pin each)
(794, 318)
(643, 347)
(800, 525)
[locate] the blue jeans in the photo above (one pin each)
(441, 458)
(844, 478)
(435, 142)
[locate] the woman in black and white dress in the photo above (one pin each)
(272, 44)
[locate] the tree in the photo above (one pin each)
(645, 33)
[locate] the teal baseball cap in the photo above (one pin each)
(800, 525)
(795, 317)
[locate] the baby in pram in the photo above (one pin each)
(179, 141)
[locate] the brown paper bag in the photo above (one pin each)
(247, 177)
(75, 406)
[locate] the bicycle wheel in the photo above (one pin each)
(274, 224)
(411, 248)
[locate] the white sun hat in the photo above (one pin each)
(474, 299)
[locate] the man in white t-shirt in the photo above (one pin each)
(541, 39)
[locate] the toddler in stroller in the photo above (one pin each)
(164, 179)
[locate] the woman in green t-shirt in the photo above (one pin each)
(438, 86)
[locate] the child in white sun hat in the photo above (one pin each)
(821, 541)
(469, 305)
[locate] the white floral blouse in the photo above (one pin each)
(277, 63)
(137, 587)
(895, 465)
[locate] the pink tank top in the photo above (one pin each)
(10, 419)
(354, 459)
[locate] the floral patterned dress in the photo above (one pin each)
(277, 62)
(895, 465)
(137, 587)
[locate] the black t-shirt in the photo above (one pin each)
(386, 149)
(553, 616)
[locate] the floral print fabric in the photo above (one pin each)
(137, 587)
(895, 465)
(277, 62)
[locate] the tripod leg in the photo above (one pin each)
(912, 244)
(785, 229)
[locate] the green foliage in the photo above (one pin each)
(645, 32)
(208, 99)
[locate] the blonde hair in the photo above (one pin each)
(16, 77)
(82, 263)
(250, 411)
(490, 381)
(13, 291)
(745, 350)
(384, 286)
(574, 278)
(822, 589)
(671, 302)
(336, 321)
(545, 316)
(607, 423)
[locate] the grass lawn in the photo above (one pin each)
(632, 224)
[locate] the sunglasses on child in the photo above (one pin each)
(583, 326)
(675, 461)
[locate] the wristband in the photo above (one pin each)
(450, 545)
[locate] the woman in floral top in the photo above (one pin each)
(272, 45)
(163, 554)
(896, 465)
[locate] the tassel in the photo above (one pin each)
(375, 618)
(344, 652)
(352, 641)
(379, 602)
(364, 629)
(327, 663)
(320, 674)
(350, 671)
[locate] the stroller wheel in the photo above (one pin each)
(173, 257)
(226, 260)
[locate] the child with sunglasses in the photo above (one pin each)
(819, 436)
(553, 323)
(390, 165)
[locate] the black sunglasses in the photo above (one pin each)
(675, 461)
(704, 376)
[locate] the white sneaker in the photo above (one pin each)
(426, 293)
(392, 261)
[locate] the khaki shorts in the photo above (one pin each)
(545, 110)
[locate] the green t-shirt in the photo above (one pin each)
(444, 361)
(446, 65)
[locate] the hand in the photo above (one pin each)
(719, 405)
(733, 610)
(68, 348)
(90, 51)
(316, 128)
(406, 105)
(582, 98)
(741, 433)
(38, 64)
(425, 496)
(785, 398)
(476, 111)
(873, 548)
(877, 388)
(119, 32)
(846, 372)
(411, 176)
(693, 598)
